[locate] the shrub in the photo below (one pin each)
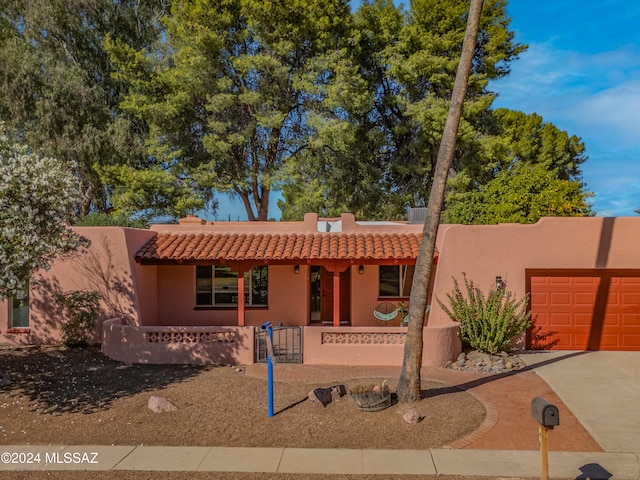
(487, 324)
(82, 308)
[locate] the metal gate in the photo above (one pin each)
(287, 344)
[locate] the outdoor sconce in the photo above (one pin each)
(499, 283)
(296, 269)
(361, 269)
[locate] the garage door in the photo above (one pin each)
(588, 310)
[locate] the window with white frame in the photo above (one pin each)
(218, 286)
(19, 308)
(395, 280)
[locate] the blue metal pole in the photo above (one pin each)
(267, 326)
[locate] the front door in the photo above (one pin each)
(321, 301)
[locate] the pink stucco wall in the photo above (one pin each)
(105, 267)
(176, 300)
(322, 345)
(288, 298)
(364, 295)
(509, 250)
(178, 345)
(377, 345)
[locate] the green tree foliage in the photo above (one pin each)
(155, 110)
(230, 95)
(56, 86)
(378, 156)
(522, 194)
(531, 169)
(37, 199)
(518, 137)
(487, 323)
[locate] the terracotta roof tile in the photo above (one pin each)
(216, 247)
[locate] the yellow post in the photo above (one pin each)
(544, 453)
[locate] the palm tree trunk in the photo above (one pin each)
(409, 385)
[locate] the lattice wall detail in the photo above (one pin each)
(364, 338)
(190, 337)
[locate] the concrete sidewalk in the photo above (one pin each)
(497, 463)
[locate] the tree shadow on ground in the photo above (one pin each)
(492, 378)
(59, 380)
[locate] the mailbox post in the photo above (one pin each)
(547, 416)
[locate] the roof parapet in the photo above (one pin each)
(191, 220)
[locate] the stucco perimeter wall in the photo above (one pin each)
(382, 346)
(178, 345)
(105, 266)
(509, 250)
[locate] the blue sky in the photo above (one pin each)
(581, 72)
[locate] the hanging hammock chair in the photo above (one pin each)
(385, 312)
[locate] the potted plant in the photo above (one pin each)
(370, 397)
(403, 310)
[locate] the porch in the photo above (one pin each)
(316, 272)
(321, 344)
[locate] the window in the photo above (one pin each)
(395, 280)
(218, 286)
(19, 308)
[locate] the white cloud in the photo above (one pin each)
(595, 96)
(610, 115)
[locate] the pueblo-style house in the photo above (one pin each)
(198, 291)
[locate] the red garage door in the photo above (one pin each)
(590, 310)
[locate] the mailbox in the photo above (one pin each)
(545, 413)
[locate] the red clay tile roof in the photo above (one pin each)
(174, 248)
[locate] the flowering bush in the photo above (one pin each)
(487, 323)
(37, 200)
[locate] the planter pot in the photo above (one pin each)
(372, 401)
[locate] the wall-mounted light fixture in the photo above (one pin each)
(296, 269)
(361, 269)
(499, 283)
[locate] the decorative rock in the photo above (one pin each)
(159, 405)
(412, 416)
(327, 395)
(478, 362)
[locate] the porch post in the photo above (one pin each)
(241, 297)
(336, 298)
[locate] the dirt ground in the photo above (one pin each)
(79, 396)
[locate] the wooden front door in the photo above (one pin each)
(322, 296)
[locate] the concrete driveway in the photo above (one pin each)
(602, 389)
